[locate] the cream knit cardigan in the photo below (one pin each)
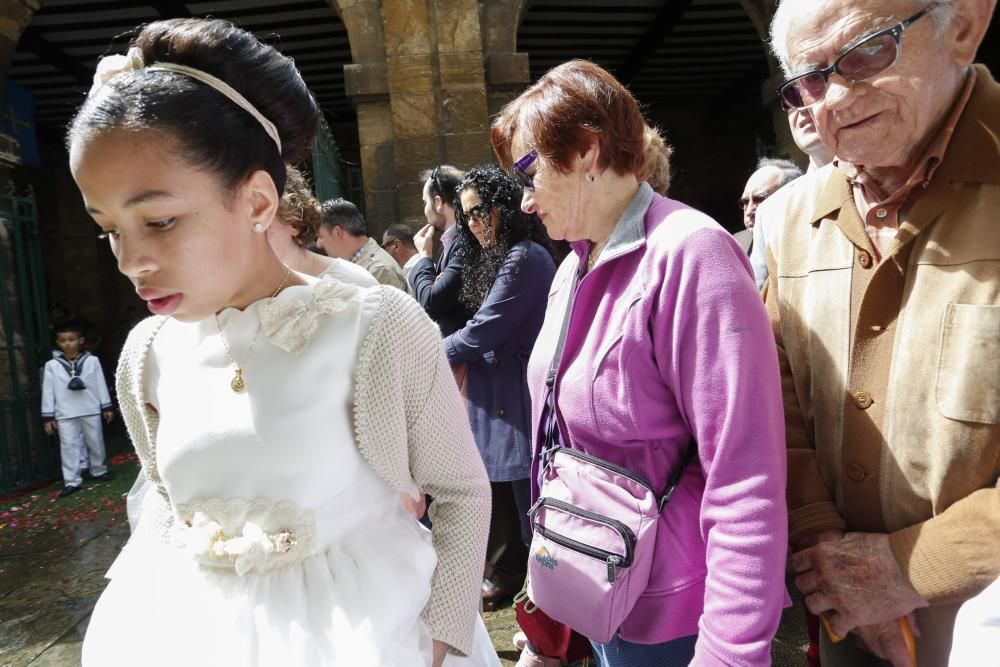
(410, 424)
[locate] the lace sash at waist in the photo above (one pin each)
(245, 535)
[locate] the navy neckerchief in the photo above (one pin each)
(74, 366)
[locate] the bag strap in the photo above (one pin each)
(675, 477)
(550, 380)
(551, 412)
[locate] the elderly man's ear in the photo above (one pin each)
(969, 24)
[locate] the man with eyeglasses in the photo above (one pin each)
(397, 240)
(771, 174)
(436, 284)
(884, 292)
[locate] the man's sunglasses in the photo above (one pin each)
(873, 55)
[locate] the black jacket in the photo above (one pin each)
(435, 286)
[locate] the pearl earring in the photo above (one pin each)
(258, 227)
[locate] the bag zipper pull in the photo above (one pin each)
(613, 563)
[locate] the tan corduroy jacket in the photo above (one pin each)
(891, 369)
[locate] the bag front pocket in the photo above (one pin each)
(605, 531)
(968, 375)
(586, 581)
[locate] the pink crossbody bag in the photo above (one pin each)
(594, 527)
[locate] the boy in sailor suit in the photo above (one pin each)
(74, 398)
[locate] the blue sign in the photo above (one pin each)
(17, 118)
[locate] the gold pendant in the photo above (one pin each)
(238, 385)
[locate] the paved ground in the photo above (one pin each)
(54, 553)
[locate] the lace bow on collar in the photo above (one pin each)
(290, 323)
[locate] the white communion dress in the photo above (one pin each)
(286, 548)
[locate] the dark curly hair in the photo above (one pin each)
(481, 266)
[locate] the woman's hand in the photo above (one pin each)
(440, 653)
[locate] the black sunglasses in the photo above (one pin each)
(437, 190)
(873, 55)
(479, 212)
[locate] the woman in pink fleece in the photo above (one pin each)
(667, 342)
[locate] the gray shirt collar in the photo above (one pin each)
(630, 231)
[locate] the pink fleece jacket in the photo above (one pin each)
(668, 341)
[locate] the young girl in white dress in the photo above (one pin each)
(277, 417)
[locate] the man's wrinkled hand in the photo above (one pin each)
(854, 581)
(886, 640)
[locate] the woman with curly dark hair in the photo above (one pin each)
(506, 274)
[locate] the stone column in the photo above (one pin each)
(366, 83)
(507, 72)
(420, 91)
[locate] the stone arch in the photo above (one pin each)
(363, 20)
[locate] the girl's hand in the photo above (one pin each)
(414, 508)
(50, 427)
(440, 653)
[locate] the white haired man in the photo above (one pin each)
(770, 175)
(884, 293)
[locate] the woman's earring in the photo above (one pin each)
(258, 227)
(590, 177)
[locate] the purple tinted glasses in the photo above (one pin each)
(520, 169)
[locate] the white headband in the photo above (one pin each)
(111, 66)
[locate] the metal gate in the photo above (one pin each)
(26, 455)
(328, 177)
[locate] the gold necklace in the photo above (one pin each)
(238, 384)
(595, 253)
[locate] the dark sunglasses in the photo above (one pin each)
(436, 189)
(520, 169)
(871, 56)
(756, 199)
(479, 213)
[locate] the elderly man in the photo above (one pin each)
(770, 175)
(884, 292)
(397, 240)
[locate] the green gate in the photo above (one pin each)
(26, 455)
(328, 177)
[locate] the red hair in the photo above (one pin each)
(566, 111)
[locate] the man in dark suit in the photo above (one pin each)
(435, 284)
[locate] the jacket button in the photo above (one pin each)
(881, 213)
(500, 412)
(862, 399)
(856, 472)
(864, 259)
